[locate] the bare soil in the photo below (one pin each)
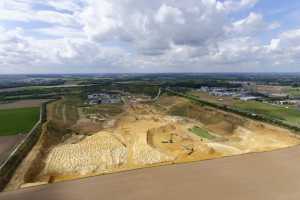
(7, 143)
(22, 103)
(264, 176)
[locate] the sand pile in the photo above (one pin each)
(95, 154)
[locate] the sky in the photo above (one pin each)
(143, 36)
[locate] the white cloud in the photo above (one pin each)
(15, 50)
(274, 25)
(141, 35)
(152, 27)
(252, 24)
(60, 32)
(22, 10)
(286, 48)
(73, 6)
(167, 14)
(236, 5)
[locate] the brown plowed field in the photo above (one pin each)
(7, 143)
(258, 176)
(22, 103)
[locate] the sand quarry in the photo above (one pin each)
(153, 134)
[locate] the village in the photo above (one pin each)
(103, 98)
(250, 92)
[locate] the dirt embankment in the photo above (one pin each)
(53, 133)
(65, 126)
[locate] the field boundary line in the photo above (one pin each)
(20, 151)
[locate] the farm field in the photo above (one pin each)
(291, 91)
(290, 115)
(262, 175)
(138, 135)
(19, 120)
(7, 143)
(22, 104)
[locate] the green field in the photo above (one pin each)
(288, 114)
(21, 120)
(293, 91)
(202, 133)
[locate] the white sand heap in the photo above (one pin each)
(97, 153)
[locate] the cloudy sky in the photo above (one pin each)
(104, 36)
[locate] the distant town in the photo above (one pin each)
(252, 91)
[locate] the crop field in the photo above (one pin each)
(251, 177)
(273, 89)
(293, 91)
(290, 115)
(20, 120)
(22, 104)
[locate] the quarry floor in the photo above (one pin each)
(261, 176)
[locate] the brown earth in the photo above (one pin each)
(229, 101)
(22, 103)
(7, 143)
(260, 176)
(272, 89)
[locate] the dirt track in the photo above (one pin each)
(263, 176)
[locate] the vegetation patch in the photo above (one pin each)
(20, 120)
(294, 92)
(290, 115)
(202, 133)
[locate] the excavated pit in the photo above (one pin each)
(152, 134)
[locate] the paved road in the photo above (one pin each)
(265, 176)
